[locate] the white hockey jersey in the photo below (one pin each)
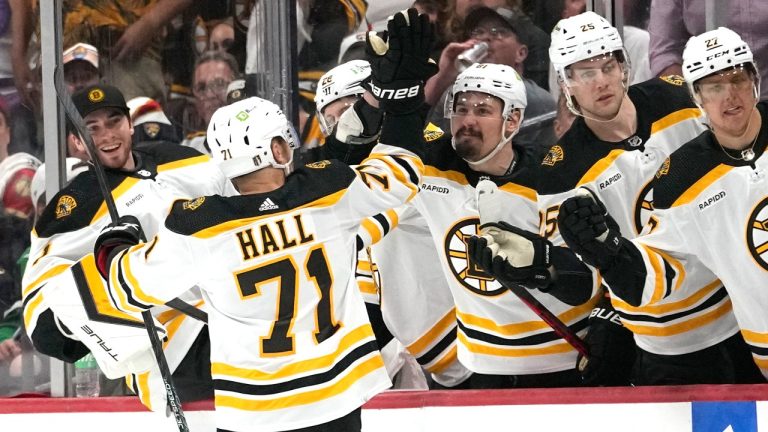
(291, 345)
(711, 212)
(497, 333)
(61, 269)
(697, 315)
(416, 301)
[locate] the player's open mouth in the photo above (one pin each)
(733, 111)
(109, 149)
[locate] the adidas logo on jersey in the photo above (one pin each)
(268, 204)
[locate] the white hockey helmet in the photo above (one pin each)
(582, 37)
(341, 81)
(714, 51)
(496, 80)
(240, 136)
(74, 166)
(500, 81)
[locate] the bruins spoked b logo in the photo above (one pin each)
(643, 207)
(757, 233)
(469, 275)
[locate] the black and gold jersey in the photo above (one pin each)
(59, 269)
(291, 343)
(710, 216)
(621, 174)
(497, 334)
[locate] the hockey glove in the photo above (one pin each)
(504, 251)
(400, 63)
(511, 254)
(589, 230)
(123, 233)
(611, 349)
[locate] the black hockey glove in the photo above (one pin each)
(512, 254)
(123, 233)
(589, 230)
(400, 63)
(611, 349)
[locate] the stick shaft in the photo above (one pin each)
(157, 347)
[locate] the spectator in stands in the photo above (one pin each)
(81, 66)
(537, 40)
(673, 22)
(496, 28)
(222, 37)
(150, 124)
(20, 98)
(214, 70)
(128, 34)
(16, 172)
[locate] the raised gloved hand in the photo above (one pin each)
(400, 63)
(589, 230)
(123, 233)
(507, 252)
(611, 349)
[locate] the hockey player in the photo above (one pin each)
(274, 262)
(709, 207)
(614, 148)
(144, 182)
(418, 309)
(499, 339)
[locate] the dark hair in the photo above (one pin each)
(430, 6)
(219, 56)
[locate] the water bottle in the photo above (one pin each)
(471, 56)
(86, 378)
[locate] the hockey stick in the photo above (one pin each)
(558, 326)
(62, 94)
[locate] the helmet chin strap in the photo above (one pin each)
(287, 167)
(502, 142)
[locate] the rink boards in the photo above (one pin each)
(674, 409)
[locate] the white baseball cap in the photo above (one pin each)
(81, 51)
(143, 109)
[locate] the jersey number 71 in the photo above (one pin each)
(280, 340)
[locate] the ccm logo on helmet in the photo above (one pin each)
(720, 54)
(403, 93)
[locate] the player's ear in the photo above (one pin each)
(280, 150)
(512, 123)
(75, 140)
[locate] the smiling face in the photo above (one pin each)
(728, 98)
(597, 84)
(111, 131)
